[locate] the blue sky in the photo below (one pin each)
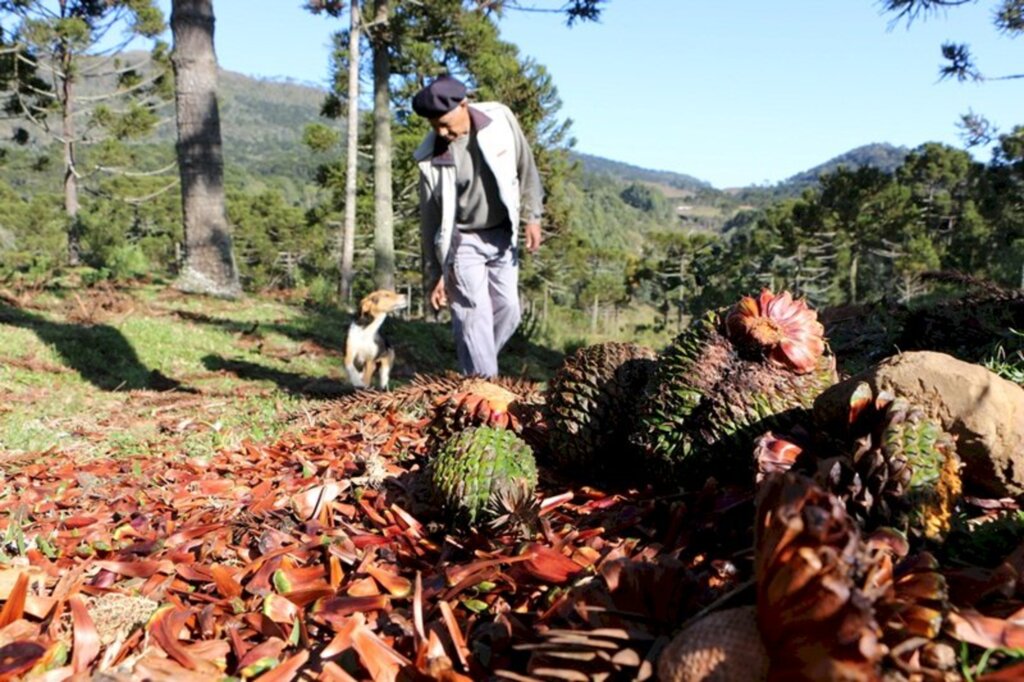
(735, 92)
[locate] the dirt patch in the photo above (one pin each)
(33, 364)
(98, 304)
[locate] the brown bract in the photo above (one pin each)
(313, 557)
(484, 403)
(290, 560)
(787, 331)
(815, 616)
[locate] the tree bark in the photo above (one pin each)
(853, 277)
(209, 266)
(384, 217)
(351, 158)
(71, 204)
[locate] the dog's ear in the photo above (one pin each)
(368, 304)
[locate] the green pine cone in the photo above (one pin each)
(476, 468)
(708, 402)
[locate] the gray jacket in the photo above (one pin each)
(505, 151)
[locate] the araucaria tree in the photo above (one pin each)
(209, 266)
(1007, 17)
(94, 90)
(351, 80)
(411, 42)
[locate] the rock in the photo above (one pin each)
(984, 411)
(725, 646)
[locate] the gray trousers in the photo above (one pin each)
(483, 287)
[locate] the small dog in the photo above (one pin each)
(365, 345)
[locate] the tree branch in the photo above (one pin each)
(911, 10)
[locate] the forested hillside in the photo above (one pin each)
(884, 157)
(626, 171)
(629, 249)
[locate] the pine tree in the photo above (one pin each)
(209, 266)
(94, 92)
(412, 42)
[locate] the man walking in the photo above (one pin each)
(478, 183)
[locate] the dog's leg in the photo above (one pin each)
(368, 370)
(354, 376)
(385, 362)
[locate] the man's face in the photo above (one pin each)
(454, 124)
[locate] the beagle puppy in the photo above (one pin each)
(366, 349)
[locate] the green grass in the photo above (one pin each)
(145, 370)
(156, 371)
(1006, 358)
(976, 662)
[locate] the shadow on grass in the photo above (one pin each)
(421, 346)
(289, 382)
(325, 329)
(99, 353)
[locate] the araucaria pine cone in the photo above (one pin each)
(785, 330)
(725, 380)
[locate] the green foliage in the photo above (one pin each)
(127, 262)
(32, 228)
(629, 252)
(1006, 17)
(866, 234)
(276, 244)
(92, 91)
(647, 199)
(319, 137)
(137, 120)
(1006, 358)
(322, 291)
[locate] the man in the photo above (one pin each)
(478, 183)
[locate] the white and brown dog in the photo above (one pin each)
(366, 347)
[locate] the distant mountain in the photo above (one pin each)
(262, 122)
(252, 109)
(258, 110)
(882, 156)
(630, 173)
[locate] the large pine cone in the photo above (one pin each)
(891, 463)
(833, 604)
(481, 470)
(590, 405)
(724, 646)
(726, 380)
(814, 594)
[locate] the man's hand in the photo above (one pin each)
(439, 297)
(533, 236)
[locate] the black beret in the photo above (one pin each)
(439, 97)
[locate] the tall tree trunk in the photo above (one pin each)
(384, 218)
(853, 277)
(348, 234)
(209, 255)
(67, 124)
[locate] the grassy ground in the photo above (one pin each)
(145, 369)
